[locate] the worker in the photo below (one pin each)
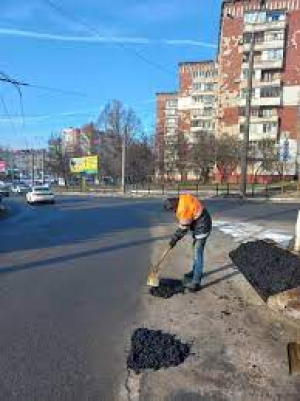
(192, 215)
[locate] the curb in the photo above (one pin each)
(206, 195)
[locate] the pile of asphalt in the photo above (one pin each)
(167, 288)
(268, 268)
(153, 349)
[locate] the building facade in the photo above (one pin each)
(184, 114)
(276, 76)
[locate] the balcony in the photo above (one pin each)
(260, 64)
(265, 26)
(260, 120)
(260, 84)
(262, 101)
(266, 45)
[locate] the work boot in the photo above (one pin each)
(188, 277)
(192, 286)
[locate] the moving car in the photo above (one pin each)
(40, 195)
(20, 189)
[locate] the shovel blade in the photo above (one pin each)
(294, 358)
(153, 281)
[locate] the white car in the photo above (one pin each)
(40, 195)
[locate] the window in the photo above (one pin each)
(170, 112)
(203, 99)
(171, 103)
(203, 87)
(270, 128)
(274, 35)
(245, 74)
(267, 112)
(256, 17)
(244, 92)
(274, 16)
(269, 76)
(272, 54)
(258, 37)
(201, 124)
(270, 91)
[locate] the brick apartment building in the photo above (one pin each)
(276, 77)
(215, 101)
(191, 110)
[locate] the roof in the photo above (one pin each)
(166, 93)
(197, 62)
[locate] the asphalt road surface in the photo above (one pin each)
(71, 277)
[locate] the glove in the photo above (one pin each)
(173, 242)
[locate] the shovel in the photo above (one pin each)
(153, 278)
(294, 357)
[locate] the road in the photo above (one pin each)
(72, 276)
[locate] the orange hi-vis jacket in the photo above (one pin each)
(189, 209)
(192, 215)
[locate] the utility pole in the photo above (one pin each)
(32, 167)
(245, 145)
(43, 166)
(124, 138)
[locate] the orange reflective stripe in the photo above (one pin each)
(189, 209)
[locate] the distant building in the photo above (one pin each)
(81, 141)
(188, 112)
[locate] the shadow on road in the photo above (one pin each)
(76, 220)
(75, 256)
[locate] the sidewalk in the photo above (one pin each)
(159, 195)
(238, 344)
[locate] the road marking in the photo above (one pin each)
(243, 232)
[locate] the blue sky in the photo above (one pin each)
(43, 47)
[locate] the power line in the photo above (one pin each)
(19, 93)
(95, 32)
(46, 88)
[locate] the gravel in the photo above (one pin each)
(268, 268)
(167, 288)
(153, 349)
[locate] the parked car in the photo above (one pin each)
(40, 195)
(4, 190)
(20, 189)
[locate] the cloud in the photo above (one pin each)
(188, 42)
(46, 117)
(101, 39)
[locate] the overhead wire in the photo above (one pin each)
(94, 31)
(20, 94)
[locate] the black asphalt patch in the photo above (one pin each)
(167, 288)
(268, 268)
(153, 349)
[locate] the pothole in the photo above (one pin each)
(268, 268)
(153, 349)
(167, 288)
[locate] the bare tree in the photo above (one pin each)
(57, 161)
(263, 155)
(203, 155)
(176, 155)
(119, 124)
(227, 155)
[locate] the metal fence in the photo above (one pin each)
(171, 189)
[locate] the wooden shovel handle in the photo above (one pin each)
(155, 269)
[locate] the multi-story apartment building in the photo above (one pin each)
(276, 76)
(197, 98)
(186, 113)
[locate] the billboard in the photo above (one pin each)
(2, 167)
(88, 164)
